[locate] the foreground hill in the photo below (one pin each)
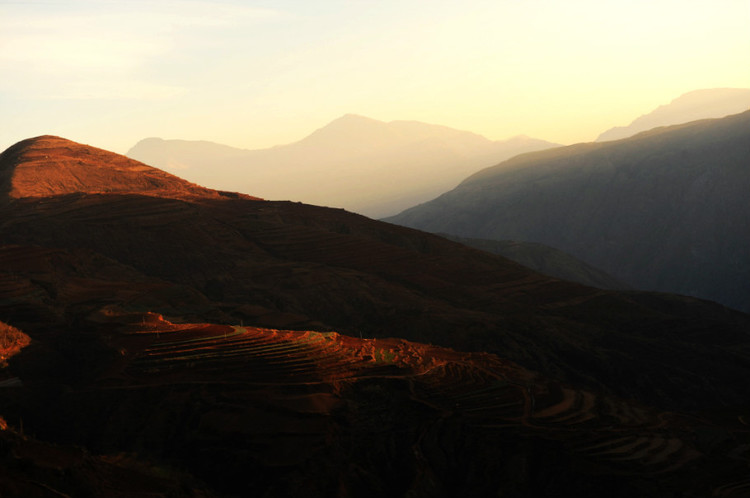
(361, 164)
(156, 342)
(665, 210)
(692, 106)
(290, 265)
(48, 165)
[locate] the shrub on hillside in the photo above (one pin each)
(12, 341)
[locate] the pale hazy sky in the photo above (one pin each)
(259, 73)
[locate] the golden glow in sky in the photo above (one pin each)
(259, 73)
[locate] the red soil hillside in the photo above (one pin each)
(48, 165)
(12, 341)
(225, 259)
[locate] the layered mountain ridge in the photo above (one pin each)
(275, 348)
(282, 264)
(355, 162)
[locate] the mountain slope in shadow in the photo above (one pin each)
(663, 211)
(291, 265)
(544, 259)
(187, 342)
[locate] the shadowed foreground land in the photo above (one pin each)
(451, 372)
(253, 411)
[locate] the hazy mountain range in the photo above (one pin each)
(665, 210)
(377, 168)
(187, 342)
(357, 163)
(692, 106)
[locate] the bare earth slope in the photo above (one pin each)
(48, 165)
(156, 323)
(665, 210)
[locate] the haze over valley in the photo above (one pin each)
(379, 169)
(357, 163)
(374, 249)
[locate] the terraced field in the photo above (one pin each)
(490, 394)
(290, 399)
(261, 356)
(597, 428)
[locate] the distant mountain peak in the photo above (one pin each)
(48, 165)
(704, 94)
(691, 106)
(355, 162)
(349, 116)
(350, 120)
(148, 140)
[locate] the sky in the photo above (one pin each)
(254, 74)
